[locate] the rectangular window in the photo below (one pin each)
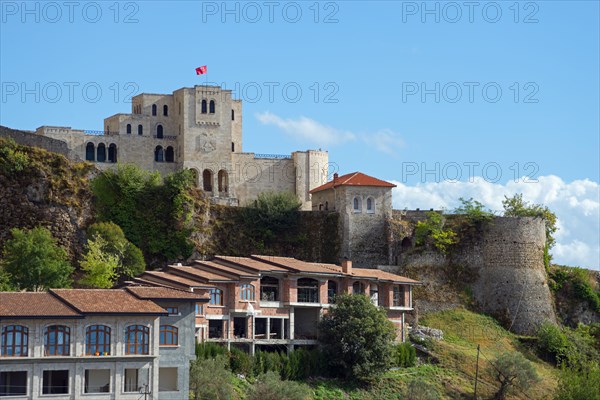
(13, 383)
(398, 296)
(375, 294)
(173, 310)
(55, 382)
(131, 380)
(167, 379)
(199, 309)
(97, 381)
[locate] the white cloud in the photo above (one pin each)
(316, 133)
(576, 204)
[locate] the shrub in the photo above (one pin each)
(512, 369)
(270, 387)
(579, 384)
(405, 355)
(12, 160)
(432, 230)
(210, 380)
(420, 390)
(552, 342)
(208, 350)
(474, 210)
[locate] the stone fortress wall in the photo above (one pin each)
(198, 128)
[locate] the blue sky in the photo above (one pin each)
(511, 89)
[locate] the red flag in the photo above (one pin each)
(201, 70)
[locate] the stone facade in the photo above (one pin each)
(199, 128)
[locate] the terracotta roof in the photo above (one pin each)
(298, 265)
(34, 305)
(163, 293)
(167, 278)
(381, 275)
(201, 275)
(250, 263)
(211, 266)
(106, 301)
(353, 179)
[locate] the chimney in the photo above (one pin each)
(335, 176)
(347, 267)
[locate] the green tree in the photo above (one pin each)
(35, 261)
(432, 230)
(512, 369)
(357, 338)
(131, 259)
(210, 379)
(552, 342)
(579, 384)
(6, 284)
(474, 210)
(99, 266)
(270, 387)
(517, 207)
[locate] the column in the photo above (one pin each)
(268, 335)
(291, 323)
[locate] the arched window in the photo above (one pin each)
(101, 157)
(90, 152)
(204, 110)
(356, 204)
(140, 130)
(233, 115)
(170, 154)
(370, 205)
(112, 153)
(269, 289)
(308, 290)
(216, 297)
(223, 181)
(153, 109)
(15, 341)
(406, 243)
(57, 340)
(358, 288)
(97, 340)
(247, 292)
(169, 335)
(159, 131)
(159, 154)
(166, 110)
(207, 180)
(137, 339)
(212, 107)
(331, 291)
(128, 129)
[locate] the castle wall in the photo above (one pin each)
(311, 169)
(48, 143)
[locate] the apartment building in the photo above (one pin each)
(266, 301)
(97, 344)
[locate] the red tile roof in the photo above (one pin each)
(237, 272)
(164, 294)
(381, 275)
(250, 263)
(200, 275)
(353, 179)
(166, 278)
(34, 305)
(295, 265)
(106, 301)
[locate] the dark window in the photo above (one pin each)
(331, 291)
(370, 205)
(308, 290)
(207, 178)
(96, 381)
(215, 329)
(13, 383)
(97, 340)
(112, 153)
(356, 204)
(246, 292)
(131, 380)
(166, 110)
(128, 128)
(216, 297)
(326, 205)
(140, 130)
(269, 289)
(57, 339)
(159, 131)
(55, 382)
(159, 154)
(169, 335)
(90, 152)
(358, 288)
(204, 110)
(137, 339)
(212, 107)
(398, 298)
(232, 147)
(101, 157)
(15, 340)
(223, 179)
(153, 109)
(232, 115)
(170, 154)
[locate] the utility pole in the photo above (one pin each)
(476, 373)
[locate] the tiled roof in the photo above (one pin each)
(201, 275)
(250, 263)
(163, 293)
(237, 272)
(381, 275)
(106, 301)
(161, 277)
(34, 305)
(297, 265)
(353, 179)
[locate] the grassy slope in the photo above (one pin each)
(454, 375)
